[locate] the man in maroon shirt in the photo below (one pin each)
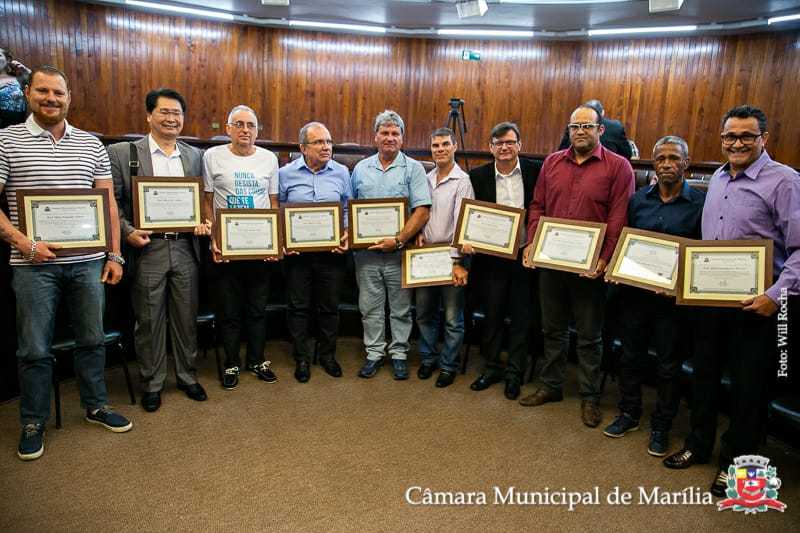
(584, 182)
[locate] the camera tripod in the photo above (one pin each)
(455, 121)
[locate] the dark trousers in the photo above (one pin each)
(242, 291)
(318, 277)
(564, 294)
(506, 290)
(648, 319)
(745, 343)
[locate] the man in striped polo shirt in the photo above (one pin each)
(46, 152)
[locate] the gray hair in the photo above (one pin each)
(672, 139)
(242, 107)
(441, 132)
(304, 131)
(390, 118)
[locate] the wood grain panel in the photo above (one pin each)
(677, 86)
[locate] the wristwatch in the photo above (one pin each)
(398, 244)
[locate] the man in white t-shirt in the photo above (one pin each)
(241, 175)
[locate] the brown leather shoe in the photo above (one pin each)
(542, 396)
(590, 414)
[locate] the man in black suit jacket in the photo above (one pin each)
(613, 136)
(506, 287)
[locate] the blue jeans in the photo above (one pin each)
(452, 299)
(38, 290)
(378, 275)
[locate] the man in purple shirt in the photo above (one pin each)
(749, 197)
(585, 182)
(449, 186)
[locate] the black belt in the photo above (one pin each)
(170, 236)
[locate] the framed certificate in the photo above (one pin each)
(77, 219)
(647, 260)
(373, 219)
(427, 266)
(723, 273)
(166, 204)
(492, 229)
(249, 233)
(569, 245)
(312, 227)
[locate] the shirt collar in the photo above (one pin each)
(498, 175)
(755, 167)
(686, 194)
(37, 131)
(598, 153)
(301, 164)
(154, 148)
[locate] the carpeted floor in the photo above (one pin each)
(347, 454)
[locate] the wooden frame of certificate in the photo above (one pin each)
(492, 229)
(568, 245)
(313, 226)
(166, 204)
(77, 219)
(723, 273)
(249, 233)
(426, 266)
(647, 260)
(373, 219)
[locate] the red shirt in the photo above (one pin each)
(596, 190)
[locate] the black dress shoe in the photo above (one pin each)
(301, 371)
(484, 381)
(425, 371)
(720, 485)
(445, 378)
(194, 391)
(332, 367)
(512, 388)
(151, 401)
(683, 459)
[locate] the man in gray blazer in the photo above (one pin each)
(164, 267)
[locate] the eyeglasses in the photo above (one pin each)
(319, 143)
(169, 112)
(585, 127)
(729, 139)
(239, 125)
(507, 144)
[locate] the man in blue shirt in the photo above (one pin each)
(670, 206)
(315, 177)
(388, 174)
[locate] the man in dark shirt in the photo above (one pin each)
(586, 182)
(669, 206)
(613, 137)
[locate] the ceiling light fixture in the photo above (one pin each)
(274, 2)
(661, 29)
(485, 33)
(184, 10)
(787, 18)
(659, 6)
(334, 26)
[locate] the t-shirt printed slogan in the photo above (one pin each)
(246, 187)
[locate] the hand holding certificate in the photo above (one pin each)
(249, 234)
(646, 259)
(313, 227)
(77, 220)
(724, 273)
(490, 228)
(427, 266)
(371, 220)
(568, 245)
(166, 204)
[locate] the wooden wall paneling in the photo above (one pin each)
(675, 85)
